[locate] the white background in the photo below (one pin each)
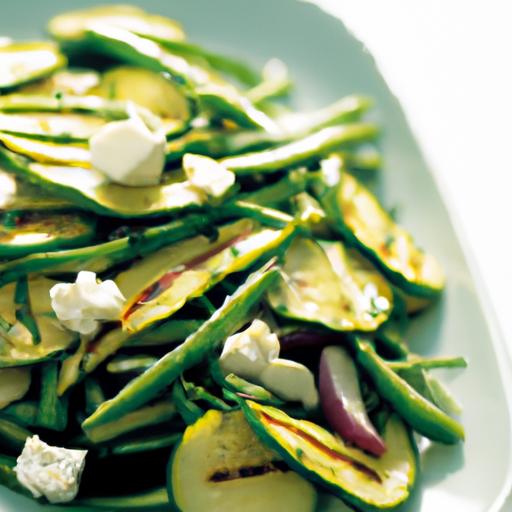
(450, 64)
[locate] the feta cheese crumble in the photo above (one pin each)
(80, 306)
(50, 471)
(207, 176)
(253, 354)
(128, 152)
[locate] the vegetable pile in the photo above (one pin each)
(228, 334)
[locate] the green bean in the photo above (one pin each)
(154, 499)
(218, 143)
(138, 363)
(193, 350)
(24, 310)
(417, 411)
(94, 395)
(52, 411)
(187, 409)
(145, 445)
(199, 393)
(301, 151)
(101, 257)
(227, 65)
(12, 435)
(428, 363)
(271, 195)
(23, 413)
(8, 476)
(169, 332)
(158, 413)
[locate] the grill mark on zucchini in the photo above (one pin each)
(249, 471)
(166, 281)
(359, 466)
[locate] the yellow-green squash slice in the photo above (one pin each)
(366, 482)
(359, 217)
(162, 282)
(222, 466)
(324, 282)
(24, 62)
(17, 346)
(30, 232)
(71, 26)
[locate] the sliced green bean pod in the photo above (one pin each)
(24, 314)
(226, 65)
(94, 395)
(12, 435)
(418, 412)
(302, 151)
(101, 257)
(357, 216)
(156, 499)
(22, 413)
(52, 413)
(192, 351)
(8, 476)
(24, 62)
(145, 445)
(187, 409)
(133, 363)
(155, 414)
(168, 332)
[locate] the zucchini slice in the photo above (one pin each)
(71, 26)
(65, 127)
(361, 480)
(358, 216)
(91, 190)
(77, 82)
(221, 465)
(16, 343)
(35, 232)
(196, 80)
(329, 284)
(161, 283)
(24, 62)
(146, 88)
(48, 152)
(28, 197)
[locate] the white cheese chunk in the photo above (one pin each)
(128, 152)
(50, 471)
(290, 380)
(253, 354)
(207, 175)
(247, 353)
(80, 306)
(7, 189)
(14, 384)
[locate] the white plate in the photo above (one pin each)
(327, 62)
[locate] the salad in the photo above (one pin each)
(203, 304)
